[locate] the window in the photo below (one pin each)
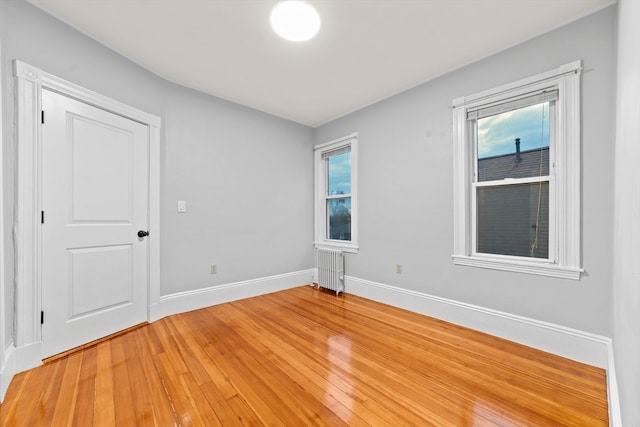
(336, 201)
(517, 176)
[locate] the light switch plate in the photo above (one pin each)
(182, 206)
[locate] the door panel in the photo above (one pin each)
(95, 284)
(101, 162)
(95, 198)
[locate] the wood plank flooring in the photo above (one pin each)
(305, 357)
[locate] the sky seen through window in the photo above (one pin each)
(339, 175)
(497, 134)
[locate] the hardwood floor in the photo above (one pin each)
(305, 357)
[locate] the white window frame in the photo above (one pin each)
(564, 176)
(321, 193)
(546, 95)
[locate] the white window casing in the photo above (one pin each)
(561, 86)
(322, 152)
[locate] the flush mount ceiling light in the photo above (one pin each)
(295, 20)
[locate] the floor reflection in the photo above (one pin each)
(339, 358)
(485, 413)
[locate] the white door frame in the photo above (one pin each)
(6, 372)
(28, 241)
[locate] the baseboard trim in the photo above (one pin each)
(566, 342)
(28, 356)
(192, 300)
(8, 370)
(615, 416)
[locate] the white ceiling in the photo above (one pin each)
(366, 50)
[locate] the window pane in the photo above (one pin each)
(514, 144)
(339, 216)
(514, 220)
(339, 174)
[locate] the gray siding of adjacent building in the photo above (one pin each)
(514, 219)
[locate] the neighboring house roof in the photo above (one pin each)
(532, 163)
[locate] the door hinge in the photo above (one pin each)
(42, 116)
(41, 217)
(42, 317)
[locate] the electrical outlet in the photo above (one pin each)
(398, 268)
(214, 269)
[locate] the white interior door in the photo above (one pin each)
(95, 200)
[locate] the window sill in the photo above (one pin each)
(344, 247)
(540, 269)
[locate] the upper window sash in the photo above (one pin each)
(549, 96)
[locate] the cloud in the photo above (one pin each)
(497, 134)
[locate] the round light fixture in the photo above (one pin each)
(295, 20)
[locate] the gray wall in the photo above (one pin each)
(406, 188)
(245, 175)
(247, 180)
(626, 251)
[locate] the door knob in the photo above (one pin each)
(143, 233)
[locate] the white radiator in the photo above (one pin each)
(330, 270)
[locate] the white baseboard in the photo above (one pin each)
(192, 300)
(8, 370)
(28, 356)
(615, 416)
(566, 342)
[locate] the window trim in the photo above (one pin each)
(320, 240)
(566, 197)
